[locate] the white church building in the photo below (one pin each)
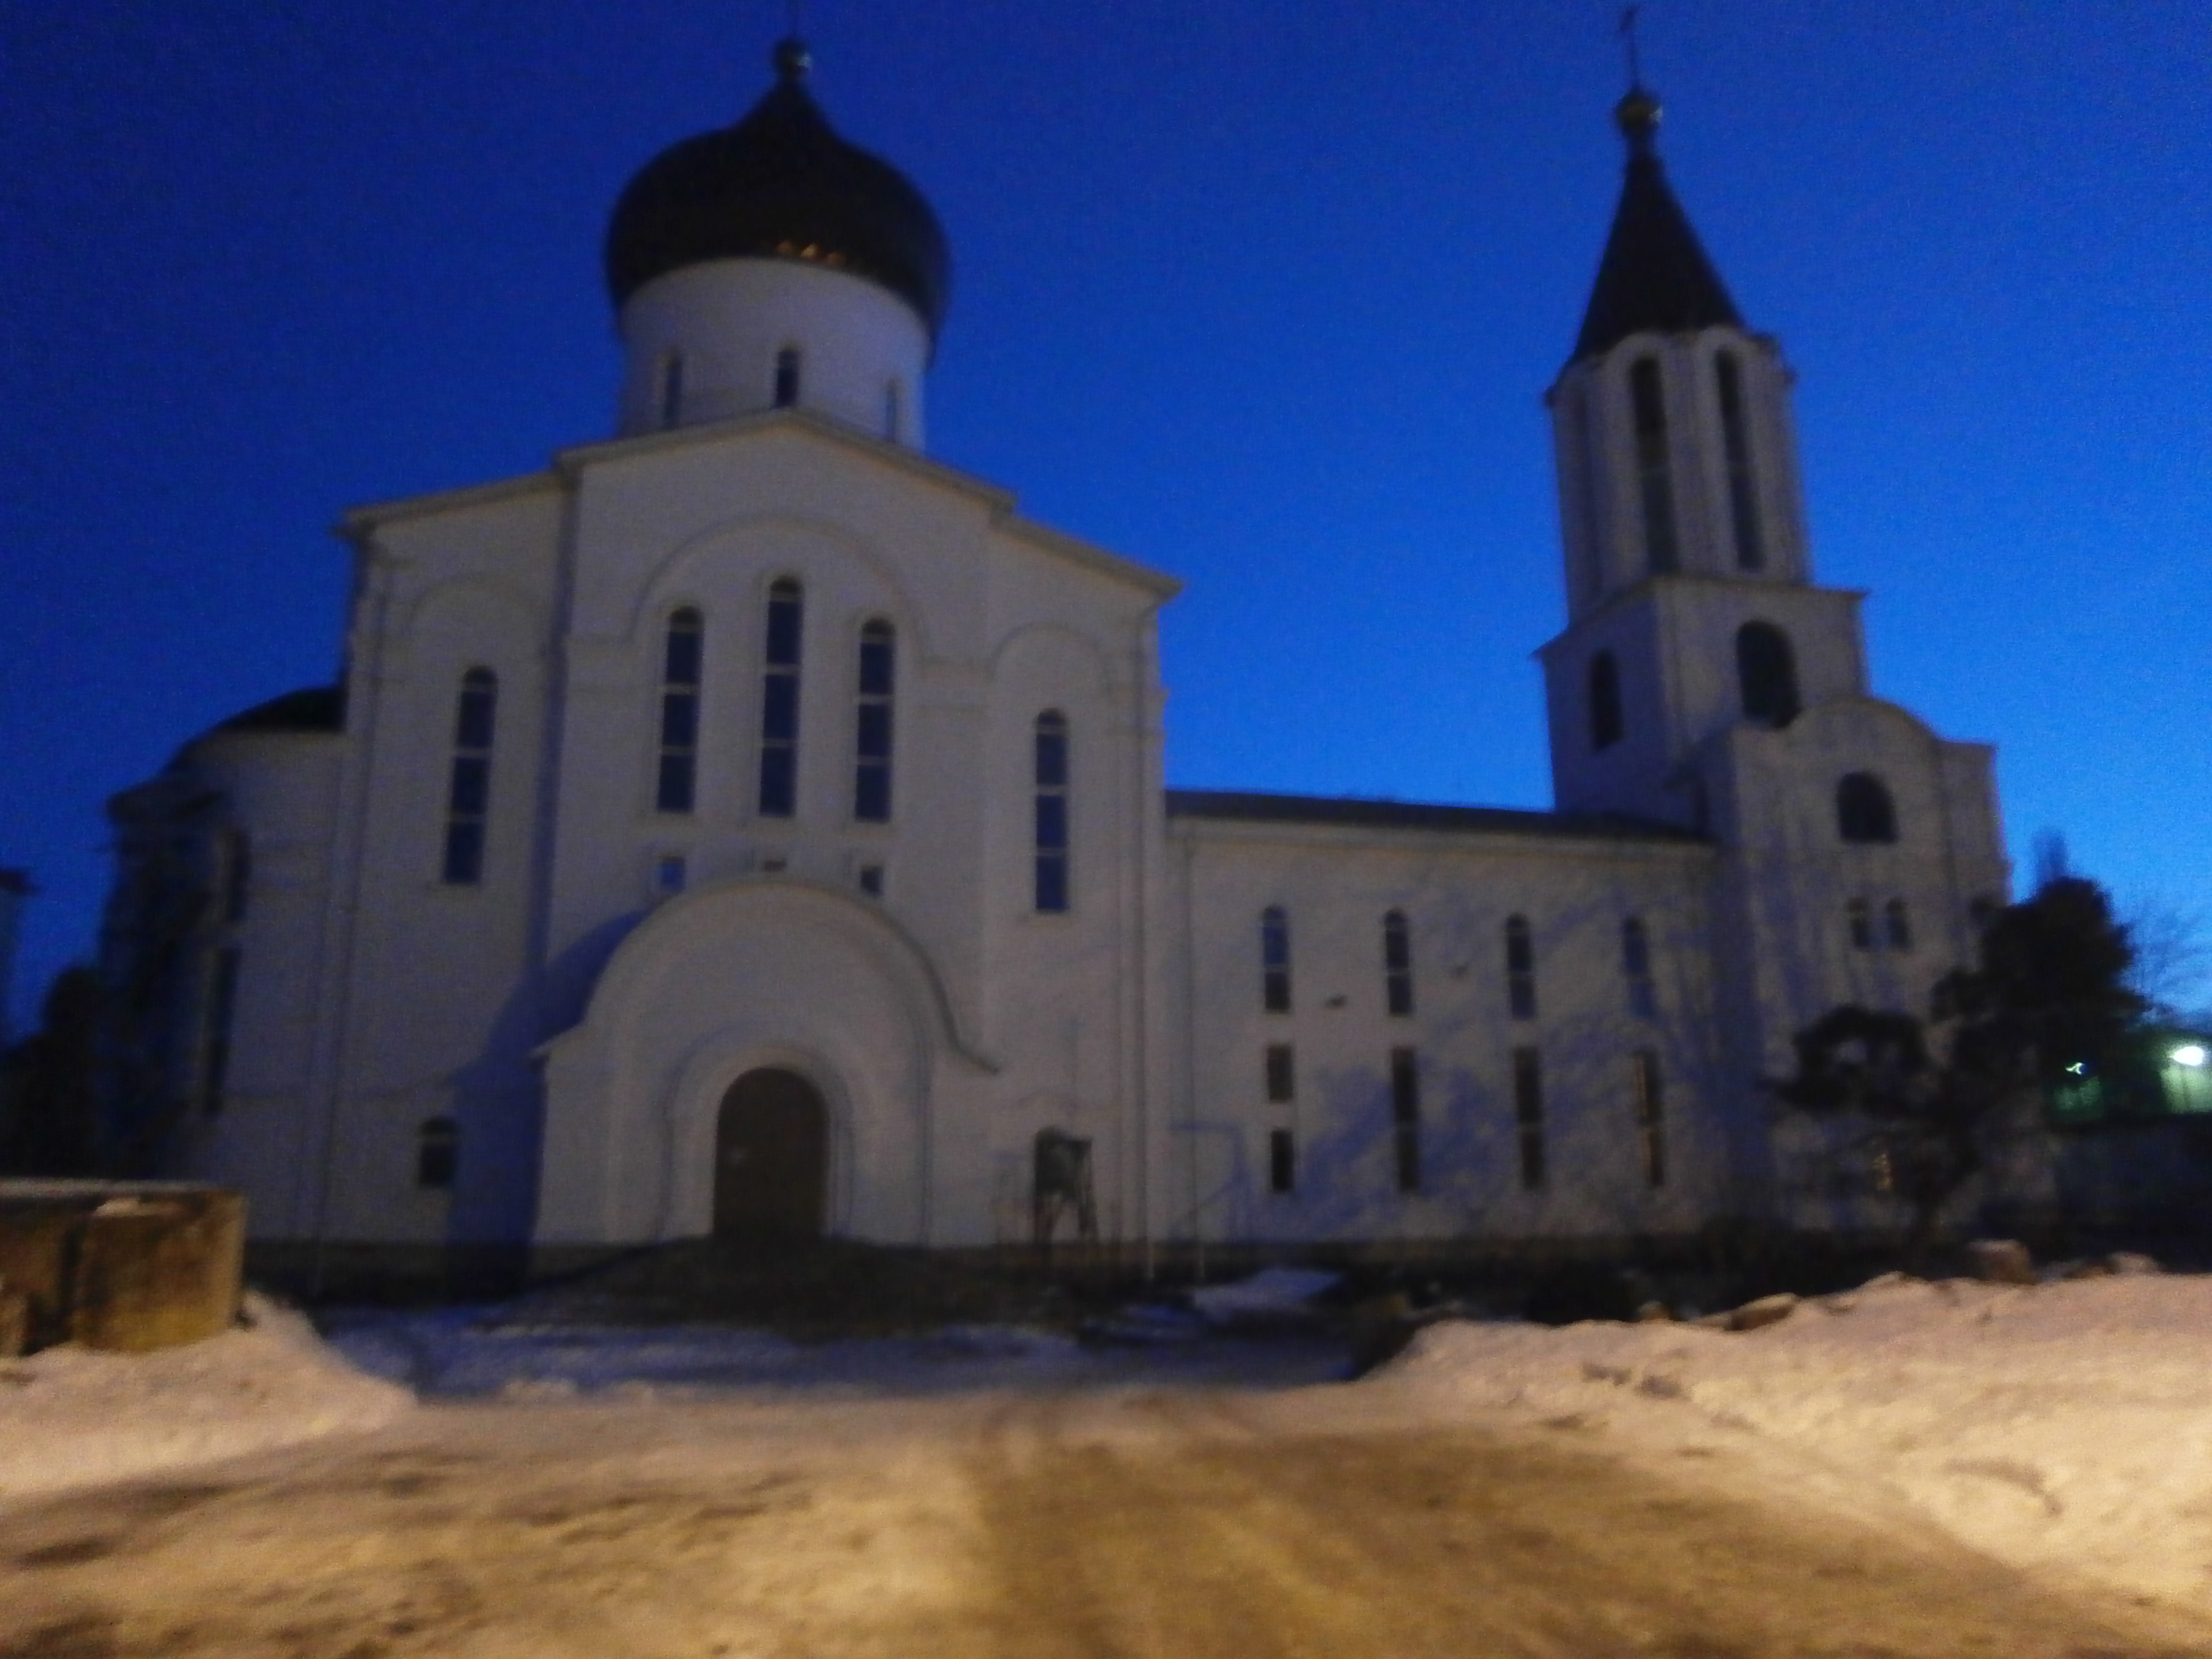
(750, 822)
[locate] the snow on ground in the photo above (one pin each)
(70, 1417)
(2063, 1427)
(473, 1352)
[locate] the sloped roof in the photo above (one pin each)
(1655, 274)
(1352, 812)
(313, 708)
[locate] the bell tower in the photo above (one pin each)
(1690, 600)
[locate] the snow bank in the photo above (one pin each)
(70, 1417)
(2058, 1427)
(1272, 1294)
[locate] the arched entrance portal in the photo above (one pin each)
(771, 1158)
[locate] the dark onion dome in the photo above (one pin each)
(781, 184)
(1655, 274)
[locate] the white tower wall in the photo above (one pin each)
(701, 344)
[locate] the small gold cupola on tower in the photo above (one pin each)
(1670, 421)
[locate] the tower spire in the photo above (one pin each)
(793, 62)
(1637, 112)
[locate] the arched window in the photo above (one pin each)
(237, 874)
(671, 389)
(1766, 674)
(1275, 960)
(1864, 813)
(1636, 969)
(437, 1153)
(681, 656)
(1896, 921)
(786, 377)
(1858, 916)
(1648, 1100)
(1736, 442)
(779, 747)
(872, 737)
(1605, 724)
(1397, 964)
(1655, 482)
(1050, 775)
(1520, 968)
(468, 793)
(1406, 1116)
(217, 1018)
(1528, 1115)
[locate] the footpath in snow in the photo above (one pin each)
(72, 1417)
(2065, 1427)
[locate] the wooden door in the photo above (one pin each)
(772, 1157)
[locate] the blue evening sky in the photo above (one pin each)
(1262, 292)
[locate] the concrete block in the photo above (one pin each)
(122, 1266)
(14, 1322)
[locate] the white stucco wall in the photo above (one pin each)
(864, 354)
(1456, 891)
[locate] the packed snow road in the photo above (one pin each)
(1181, 1522)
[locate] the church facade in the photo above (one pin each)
(750, 824)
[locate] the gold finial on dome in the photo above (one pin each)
(1637, 114)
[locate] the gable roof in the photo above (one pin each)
(1352, 812)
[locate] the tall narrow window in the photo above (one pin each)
(468, 794)
(779, 749)
(1766, 674)
(871, 736)
(437, 1154)
(1654, 484)
(681, 651)
(1051, 779)
(1898, 925)
(215, 1041)
(1520, 968)
(786, 377)
(237, 874)
(1282, 1161)
(1282, 1073)
(894, 409)
(1858, 915)
(1406, 1117)
(1736, 440)
(1397, 965)
(1650, 1105)
(1636, 969)
(671, 389)
(1605, 723)
(1275, 960)
(1864, 813)
(1528, 1115)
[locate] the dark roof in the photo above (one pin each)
(1655, 274)
(1249, 807)
(316, 708)
(781, 184)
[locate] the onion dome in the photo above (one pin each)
(1654, 275)
(780, 185)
